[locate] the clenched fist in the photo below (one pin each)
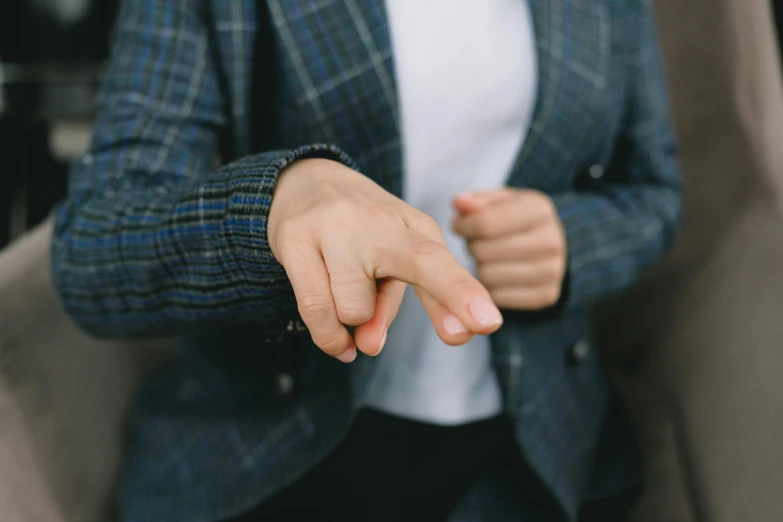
(349, 248)
(519, 244)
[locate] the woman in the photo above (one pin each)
(511, 161)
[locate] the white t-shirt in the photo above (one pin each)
(467, 83)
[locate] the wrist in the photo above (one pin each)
(304, 166)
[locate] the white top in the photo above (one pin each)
(467, 81)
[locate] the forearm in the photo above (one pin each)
(153, 261)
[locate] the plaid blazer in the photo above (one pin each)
(156, 238)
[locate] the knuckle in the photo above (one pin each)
(424, 249)
(541, 200)
(428, 226)
(339, 211)
(314, 306)
(465, 285)
(554, 244)
(354, 315)
(554, 271)
(520, 244)
(425, 260)
(426, 256)
(551, 208)
(549, 296)
(484, 273)
(378, 212)
(354, 294)
(499, 299)
(331, 343)
(292, 232)
(481, 225)
(476, 251)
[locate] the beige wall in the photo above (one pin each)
(703, 335)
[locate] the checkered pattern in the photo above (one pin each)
(155, 240)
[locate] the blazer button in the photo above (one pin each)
(596, 171)
(579, 352)
(285, 384)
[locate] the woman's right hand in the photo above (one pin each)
(349, 248)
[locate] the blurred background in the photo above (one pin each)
(698, 352)
(51, 56)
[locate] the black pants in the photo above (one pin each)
(392, 469)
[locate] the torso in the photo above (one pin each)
(466, 80)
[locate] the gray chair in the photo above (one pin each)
(700, 350)
(698, 356)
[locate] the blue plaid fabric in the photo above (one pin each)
(164, 231)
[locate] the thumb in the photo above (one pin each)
(469, 202)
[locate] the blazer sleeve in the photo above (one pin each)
(626, 220)
(153, 239)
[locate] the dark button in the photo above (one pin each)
(285, 384)
(596, 171)
(579, 352)
(296, 326)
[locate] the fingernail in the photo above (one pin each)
(453, 326)
(485, 312)
(383, 341)
(348, 356)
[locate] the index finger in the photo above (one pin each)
(502, 219)
(418, 260)
(469, 202)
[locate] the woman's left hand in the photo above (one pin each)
(519, 244)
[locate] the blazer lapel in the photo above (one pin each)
(235, 25)
(347, 79)
(574, 47)
(340, 56)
